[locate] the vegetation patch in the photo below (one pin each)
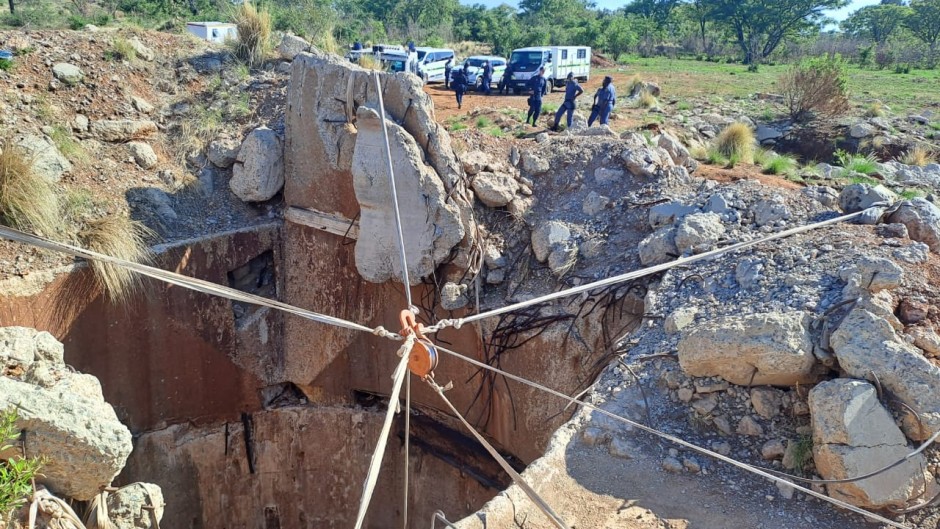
(121, 50)
(780, 165)
(27, 201)
(254, 34)
(816, 87)
(121, 237)
(736, 141)
(919, 156)
(857, 163)
(16, 472)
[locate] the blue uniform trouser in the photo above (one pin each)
(535, 110)
(459, 92)
(446, 79)
(485, 84)
(603, 111)
(567, 106)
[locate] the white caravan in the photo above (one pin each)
(558, 61)
(431, 63)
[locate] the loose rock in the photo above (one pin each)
(259, 169)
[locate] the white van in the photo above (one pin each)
(557, 61)
(396, 58)
(431, 62)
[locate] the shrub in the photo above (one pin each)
(121, 50)
(857, 163)
(6, 65)
(919, 156)
(27, 200)
(634, 82)
(815, 87)
(121, 237)
(714, 157)
(762, 156)
(483, 122)
(780, 165)
(876, 109)
(902, 68)
(736, 141)
(17, 472)
(254, 34)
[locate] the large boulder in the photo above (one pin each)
(223, 152)
(258, 173)
(431, 224)
(763, 349)
(291, 46)
(679, 154)
(658, 247)
(47, 161)
(853, 434)
(646, 162)
(122, 130)
(65, 417)
(494, 189)
(858, 197)
(68, 73)
(922, 219)
(135, 506)
(867, 346)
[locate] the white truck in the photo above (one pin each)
(558, 61)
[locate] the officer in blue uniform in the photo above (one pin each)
(487, 77)
(448, 68)
(460, 84)
(572, 91)
(538, 86)
(604, 101)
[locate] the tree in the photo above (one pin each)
(924, 23)
(658, 11)
(877, 22)
(621, 36)
(699, 12)
(760, 26)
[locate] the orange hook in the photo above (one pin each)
(423, 357)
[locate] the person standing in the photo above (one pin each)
(448, 68)
(604, 101)
(460, 84)
(572, 91)
(504, 82)
(538, 87)
(487, 77)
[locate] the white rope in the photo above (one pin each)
(676, 440)
(652, 269)
(516, 478)
(191, 283)
(407, 471)
(379, 454)
(391, 181)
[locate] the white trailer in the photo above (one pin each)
(558, 61)
(217, 32)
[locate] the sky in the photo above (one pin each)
(614, 4)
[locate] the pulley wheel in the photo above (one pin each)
(423, 358)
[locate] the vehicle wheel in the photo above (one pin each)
(551, 86)
(516, 91)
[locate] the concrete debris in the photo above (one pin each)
(767, 402)
(48, 162)
(594, 203)
(454, 296)
(770, 211)
(258, 173)
(853, 434)
(679, 154)
(659, 247)
(858, 197)
(67, 421)
(922, 219)
(698, 232)
(122, 131)
(867, 345)
(143, 154)
(495, 190)
(135, 506)
(534, 164)
(763, 349)
(773, 449)
(680, 319)
(291, 46)
(431, 224)
(877, 274)
(549, 236)
(749, 426)
(646, 162)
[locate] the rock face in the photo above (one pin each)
(433, 226)
(291, 46)
(853, 435)
(494, 189)
(64, 415)
(143, 154)
(48, 162)
(122, 130)
(258, 173)
(68, 73)
(763, 349)
(922, 219)
(865, 344)
(126, 507)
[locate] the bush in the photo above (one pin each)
(121, 237)
(121, 50)
(919, 156)
(647, 100)
(6, 65)
(876, 109)
(857, 163)
(254, 34)
(736, 142)
(780, 165)
(902, 68)
(815, 87)
(27, 201)
(17, 472)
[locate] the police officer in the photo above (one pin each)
(448, 68)
(538, 86)
(572, 91)
(504, 82)
(604, 101)
(460, 84)
(487, 77)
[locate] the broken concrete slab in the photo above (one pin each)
(431, 225)
(761, 349)
(853, 434)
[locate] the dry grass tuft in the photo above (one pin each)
(919, 156)
(737, 142)
(254, 34)
(634, 82)
(369, 62)
(876, 110)
(27, 201)
(647, 100)
(121, 237)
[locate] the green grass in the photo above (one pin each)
(780, 165)
(455, 124)
(16, 472)
(67, 145)
(78, 204)
(495, 131)
(859, 179)
(802, 453)
(549, 108)
(6, 65)
(714, 157)
(483, 122)
(908, 194)
(683, 106)
(857, 163)
(688, 78)
(121, 50)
